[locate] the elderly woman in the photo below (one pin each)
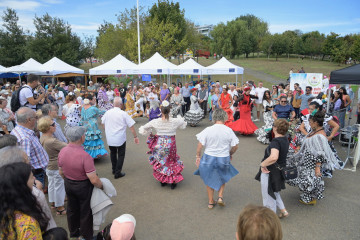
(78, 169)
(6, 116)
(176, 102)
(270, 176)
(164, 93)
(167, 166)
(56, 188)
(214, 166)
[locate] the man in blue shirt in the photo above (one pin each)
(304, 98)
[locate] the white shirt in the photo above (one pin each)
(260, 93)
(163, 127)
(233, 93)
(26, 93)
(60, 94)
(116, 121)
(217, 140)
(110, 95)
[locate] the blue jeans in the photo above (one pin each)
(210, 114)
(39, 174)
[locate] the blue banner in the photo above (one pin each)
(146, 77)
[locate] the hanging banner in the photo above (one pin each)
(314, 80)
(146, 77)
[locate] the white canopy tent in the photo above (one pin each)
(55, 67)
(30, 66)
(117, 65)
(190, 67)
(223, 67)
(156, 65)
(2, 69)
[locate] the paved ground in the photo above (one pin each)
(162, 213)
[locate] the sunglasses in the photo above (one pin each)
(283, 101)
(53, 124)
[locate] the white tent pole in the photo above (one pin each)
(328, 101)
(236, 79)
(138, 32)
(242, 79)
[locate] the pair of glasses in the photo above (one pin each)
(53, 124)
(283, 101)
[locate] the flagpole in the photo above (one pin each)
(138, 32)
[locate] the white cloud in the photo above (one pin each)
(20, 5)
(91, 27)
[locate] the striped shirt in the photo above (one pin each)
(58, 134)
(30, 143)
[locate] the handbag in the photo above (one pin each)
(288, 173)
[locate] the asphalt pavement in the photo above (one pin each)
(182, 213)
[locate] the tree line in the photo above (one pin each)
(164, 29)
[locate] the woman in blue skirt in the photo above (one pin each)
(214, 166)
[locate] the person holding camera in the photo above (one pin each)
(27, 95)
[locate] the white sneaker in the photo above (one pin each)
(257, 120)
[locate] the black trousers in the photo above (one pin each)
(186, 107)
(79, 214)
(203, 106)
(117, 156)
(236, 115)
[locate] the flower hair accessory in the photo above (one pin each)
(71, 94)
(165, 103)
(86, 101)
(318, 101)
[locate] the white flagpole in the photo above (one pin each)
(138, 32)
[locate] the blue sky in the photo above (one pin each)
(86, 15)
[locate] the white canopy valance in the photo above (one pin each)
(117, 65)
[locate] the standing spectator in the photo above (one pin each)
(185, 92)
(110, 94)
(209, 103)
(60, 100)
(5, 94)
(203, 97)
(28, 141)
(51, 111)
(270, 176)
(304, 98)
(77, 168)
(26, 95)
(123, 91)
(71, 111)
(275, 94)
(116, 121)
(56, 188)
(6, 116)
(259, 223)
(302, 70)
(232, 91)
(339, 108)
(259, 92)
(296, 103)
(91, 88)
(164, 93)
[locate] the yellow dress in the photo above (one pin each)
(130, 106)
(26, 227)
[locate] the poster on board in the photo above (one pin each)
(315, 80)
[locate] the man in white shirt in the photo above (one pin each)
(26, 96)
(60, 100)
(116, 121)
(259, 92)
(232, 91)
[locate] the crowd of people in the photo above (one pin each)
(60, 161)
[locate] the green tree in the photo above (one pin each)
(12, 40)
(266, 44)
(279, 45)
(331, 42)
(53, 38)
(313, 43)
(291, 39)
(355, 48)
(88, 47)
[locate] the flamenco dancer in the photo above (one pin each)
(225, 102)
(167, 166)
(268, 119)
(314, 154)
(195, 114)
(154, 104)
(244, 125)
(130, 103)
(103, 99)
(93, 144)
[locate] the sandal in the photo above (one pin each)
(52, 206)
(221, 201)
(284, 214)
(212, 205)
(61, 212)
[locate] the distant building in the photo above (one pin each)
(205, 30)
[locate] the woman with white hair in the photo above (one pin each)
(214, 166)
(167, 166)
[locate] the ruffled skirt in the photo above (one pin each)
(215, 171)
(154, 113)
(263, 132)
(165, 162)
(244, 125)
(93, 144)
(193, 117)
(104, 105)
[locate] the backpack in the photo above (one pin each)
(15, 99)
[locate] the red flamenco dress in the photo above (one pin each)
(244, 125)
(225, 105)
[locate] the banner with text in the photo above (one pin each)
(315, 80)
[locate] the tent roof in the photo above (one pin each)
(223, 66)
(30, 66)
(117, 65)
(188, 67)
(348, 75)
(55, 66)
(154, 65)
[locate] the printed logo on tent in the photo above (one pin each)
(231, 69)
(196, 70)
(159, 70)
(118, 71)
